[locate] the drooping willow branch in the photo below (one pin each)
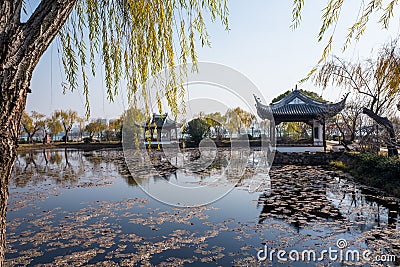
(134, 40)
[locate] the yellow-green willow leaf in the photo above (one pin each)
(135, 39)
(330, 16)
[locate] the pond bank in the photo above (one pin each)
(372, 170)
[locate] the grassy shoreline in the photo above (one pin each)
(376, 171)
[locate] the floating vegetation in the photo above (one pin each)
(97, 216)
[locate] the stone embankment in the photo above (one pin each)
(306, 158)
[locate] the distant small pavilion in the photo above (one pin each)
(297, 107)
(160, 130)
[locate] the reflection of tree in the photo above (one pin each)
(30, 161)
(130, 180)
(67, 164)
(25, 167)
(38, 166)
(296, 198)
(366, 207)
(392, 206)
(162, 165)
(200, 163)
(55, 158)
(192, 162)
(109, 160)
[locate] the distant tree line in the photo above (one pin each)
(36, 124)
(217, 125)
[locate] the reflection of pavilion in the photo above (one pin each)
(160, 130)
(296, 199)
(306, 195)
(297, 107)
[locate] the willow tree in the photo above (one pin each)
(53, 126)
(237, 118)
(378, 80)
(32, 123)
(331, 14)
(67, 119)
(330, 17)
(131, 39)
(216, 121)
(95, 126)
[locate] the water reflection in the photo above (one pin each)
(365, 206)
(190, 177)
(298, 197)
(61, 166)
(292, 194)
(101, 202)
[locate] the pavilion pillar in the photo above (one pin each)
(158, 135)
(272, 132)
(324, 135)
(318, 132)
(313, 132)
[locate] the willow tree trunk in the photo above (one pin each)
(21, 46)
(13, 90)
(385, 122)
(66, 137)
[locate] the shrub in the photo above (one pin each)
(87, 140)
(339, 164)
(377, 171)
(387, 168)
(197, 129)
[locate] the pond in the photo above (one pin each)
(70, 207)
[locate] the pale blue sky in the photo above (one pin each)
(260, 45)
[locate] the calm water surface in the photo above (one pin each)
(76, 208)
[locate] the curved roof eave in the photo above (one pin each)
(324, 109)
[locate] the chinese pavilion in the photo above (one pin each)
(297, 107)
(160, 130)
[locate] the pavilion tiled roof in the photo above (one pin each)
(160, 121)
(298, 106)
(297, 109)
